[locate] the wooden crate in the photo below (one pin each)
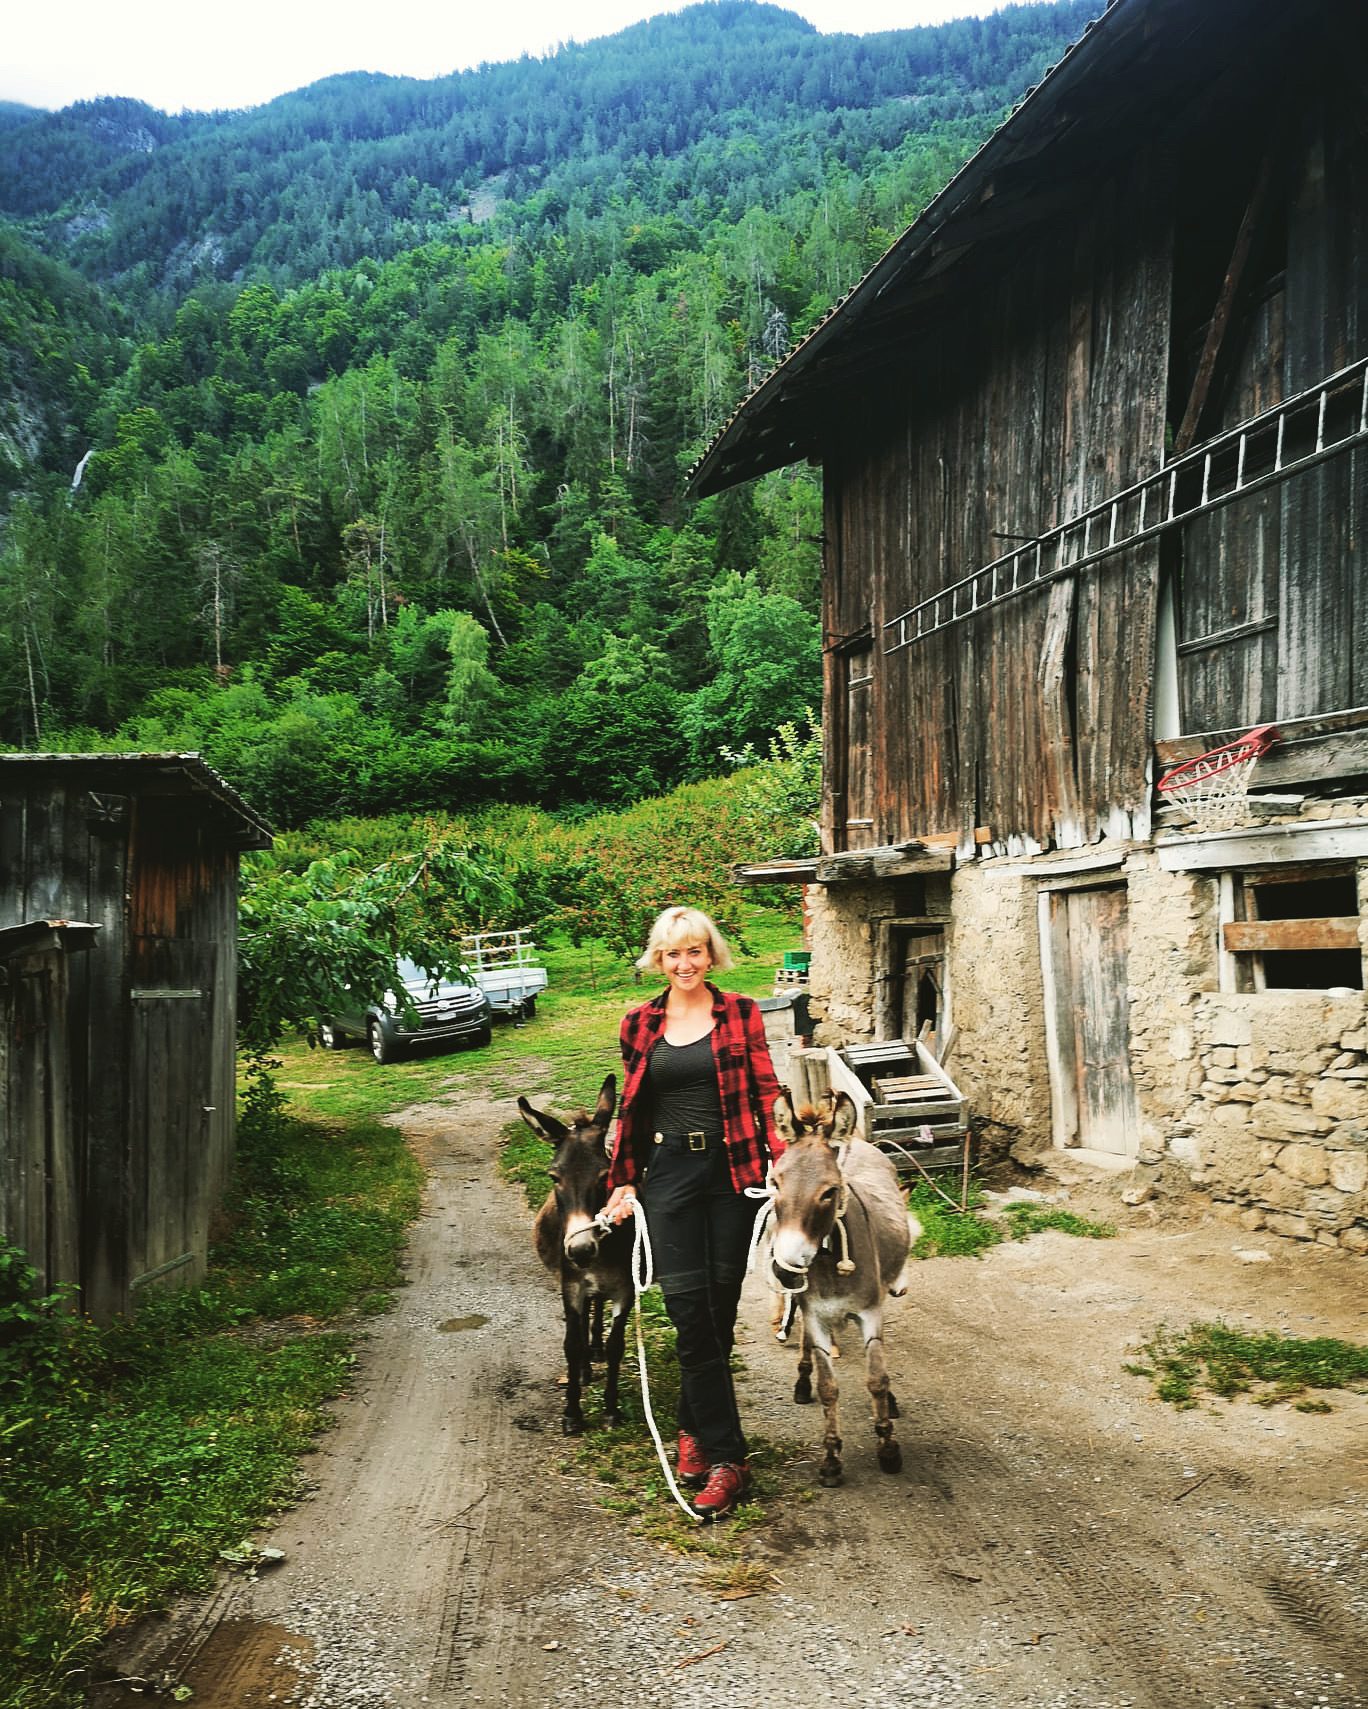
(909, 1106)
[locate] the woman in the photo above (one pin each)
(694, 1131)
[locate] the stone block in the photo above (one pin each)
(1354, 1041)
(1341, 1100)
(1253, 1217)
(1295, 1227)
(1308, 1164)
(1271, 1120)
(1223, 1056)
(1347, 1170)
(1251, 1056)
(1355, 1239)
(1187, 1149)
(1278, 1192)
(1246, 1093)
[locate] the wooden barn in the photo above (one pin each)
(118, 975)
(1094, 443)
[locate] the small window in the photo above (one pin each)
(1291, 929)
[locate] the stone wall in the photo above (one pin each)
(1259, 1099)
(997, 1000)
(1276, 1120)
(841, 978)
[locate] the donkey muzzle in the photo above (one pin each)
(581, 1247)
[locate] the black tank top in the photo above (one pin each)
(683, 1083)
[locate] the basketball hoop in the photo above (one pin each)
(1214, 786)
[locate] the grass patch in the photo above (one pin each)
(1214, 1359)
(1025, 1219)
(131, 1455)
(949, 1233)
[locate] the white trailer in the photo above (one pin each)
(506, 970)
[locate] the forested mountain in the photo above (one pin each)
(388, 389)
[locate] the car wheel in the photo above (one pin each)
(482, 1037)
(329, 1037)
(382, 1047)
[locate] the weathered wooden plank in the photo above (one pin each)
(1202, 851)
(1336, 933)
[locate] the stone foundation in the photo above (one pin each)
(1259, 1098)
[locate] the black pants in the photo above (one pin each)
(700, 1229)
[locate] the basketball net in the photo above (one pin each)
(1214, 786)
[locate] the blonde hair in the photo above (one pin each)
(677, 927)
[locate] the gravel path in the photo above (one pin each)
(1057, 1539)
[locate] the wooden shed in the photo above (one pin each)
(118, 1064)
(1094, 444)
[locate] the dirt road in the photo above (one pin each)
(1057, 1538)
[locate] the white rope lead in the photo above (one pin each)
(643, 1274)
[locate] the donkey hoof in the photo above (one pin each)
(572, 1426)
(830, 1475)
(612, 1419)
(890, 1457)
(802, 1392)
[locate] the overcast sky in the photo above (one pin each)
(185, 53)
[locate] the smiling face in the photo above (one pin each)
(686, 967)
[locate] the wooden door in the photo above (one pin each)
(1084, 940)
(859, 779)
(170, 1110)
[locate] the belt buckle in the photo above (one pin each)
(698, 1140)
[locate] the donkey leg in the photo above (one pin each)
(617, 1334)
(830, 1472)
(596, 1332)
(880, 1394)
(802, 1388)
(576, 1359)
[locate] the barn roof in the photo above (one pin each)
(144, 774)
(1137, 69)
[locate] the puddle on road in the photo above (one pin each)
(476, 1320)
(243, 1664)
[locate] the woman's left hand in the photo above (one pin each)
(621, 1204)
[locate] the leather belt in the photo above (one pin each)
(696, 1139)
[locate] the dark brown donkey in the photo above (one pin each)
(594, 1264)
(840, 1238)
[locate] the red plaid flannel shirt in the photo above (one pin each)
(745, 1081)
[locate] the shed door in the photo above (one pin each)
(1084, 937)
(170, 1077)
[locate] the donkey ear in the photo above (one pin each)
(607, 1102)
(547, 1126)
(844, 1117)
(785, 1123)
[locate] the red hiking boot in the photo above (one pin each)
(691, 1464)
(727, 1486)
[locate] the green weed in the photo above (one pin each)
(1026, 1219)
(949, 1233)
(1215, 1359)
